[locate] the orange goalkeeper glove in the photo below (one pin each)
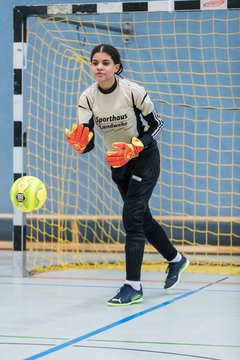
(78, 137)
(125, 152)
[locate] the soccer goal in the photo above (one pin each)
(187, 56)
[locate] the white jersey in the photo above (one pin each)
(121, 112)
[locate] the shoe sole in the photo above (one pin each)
(126, 304)
(179, 275)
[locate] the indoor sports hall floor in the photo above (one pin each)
(63, 316)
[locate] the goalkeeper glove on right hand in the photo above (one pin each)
(123, 152)
(79, 137)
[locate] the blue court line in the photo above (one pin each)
(59, 285)
(117, 323)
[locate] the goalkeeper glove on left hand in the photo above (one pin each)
(125, 152)
(78, 137)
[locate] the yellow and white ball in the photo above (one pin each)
(28, 193)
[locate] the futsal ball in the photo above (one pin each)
(28, 193)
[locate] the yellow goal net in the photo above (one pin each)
(189, 62)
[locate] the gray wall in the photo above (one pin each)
(6, 43)
(6, 92)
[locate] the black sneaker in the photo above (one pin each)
(126, 295)
(174, 271)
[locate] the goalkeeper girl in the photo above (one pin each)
(130, 125)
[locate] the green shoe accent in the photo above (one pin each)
(174, 273)
(125, 296)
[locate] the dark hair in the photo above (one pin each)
(111, 51)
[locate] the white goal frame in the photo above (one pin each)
(20, 15)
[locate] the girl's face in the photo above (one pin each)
(104, 69)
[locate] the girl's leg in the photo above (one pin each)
(157, 237)
(136, 181)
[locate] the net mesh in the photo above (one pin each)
(189, 64)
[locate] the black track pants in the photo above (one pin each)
(136, 181)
